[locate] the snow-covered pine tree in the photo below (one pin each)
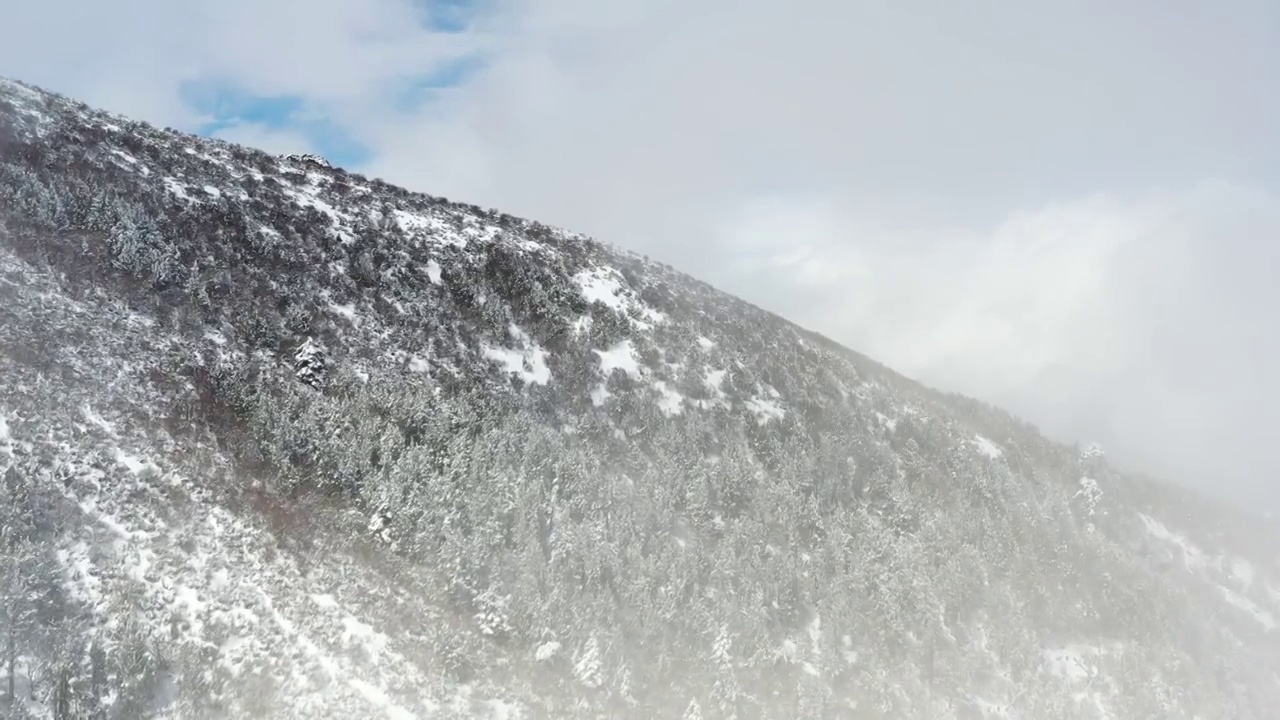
(588, 668)
(309, 364)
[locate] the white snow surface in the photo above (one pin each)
(1073, 662)
(1243, 572)
(600, 395)
(670, 401)
(714, 380)
(1264, 618)
(606, 285)
(621, 356)
(766, 409)
(602, 285)
(178, 189)
(433, 272)
(987, 448)
(1193, 557)
(347, 311)
(546, 651)
(528, 362)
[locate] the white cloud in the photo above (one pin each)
(133, 56)
(1143, 323)
(1015, 202)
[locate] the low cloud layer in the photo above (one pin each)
(1144, 323)
(1070, 211)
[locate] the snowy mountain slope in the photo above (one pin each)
(283, 441)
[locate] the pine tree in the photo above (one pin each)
(725, 690)
(97, 709)
(309, 363)
(589, 668)
(20, 548)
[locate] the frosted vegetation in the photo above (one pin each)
(282, 441)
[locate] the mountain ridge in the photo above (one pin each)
(445, 461)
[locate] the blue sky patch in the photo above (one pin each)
(227, 106)
(414, 93)
(453, 16)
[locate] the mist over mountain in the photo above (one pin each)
(283, 441)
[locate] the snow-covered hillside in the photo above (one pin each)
(283, 441)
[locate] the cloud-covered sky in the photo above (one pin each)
(1071, 210)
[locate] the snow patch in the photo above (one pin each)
(582, 324)
(346, 311)
(220, 581)
(90, 508)
(188, 600)
(986, 447)
(1072, 663)
(847, 650)
(378, 698)
(502, 710)
(1193, 558)
(602, 285)
(1242, 571)
(433, 272)
(309, 196)
(132, 161)
(528, 362)
(1264, 618)
(990, 709)
(651, 314)
(177, 189)
(607, 286)
(766, 410)
(81, 582)
(714, 380)
(670, 402)
(620, 357)
(430, 227)
(600, 394)
(138, 320)
(373, 641)
(134, 464)
(546, 651)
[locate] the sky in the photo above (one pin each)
(1070, 210)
